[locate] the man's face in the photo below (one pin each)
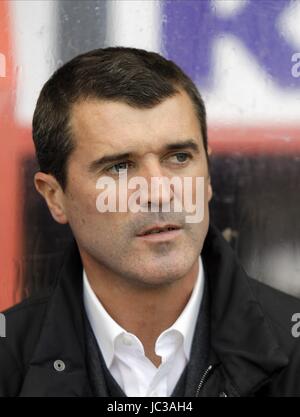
(112, 240)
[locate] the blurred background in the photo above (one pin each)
(244, 56)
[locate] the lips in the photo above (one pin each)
(158, 229)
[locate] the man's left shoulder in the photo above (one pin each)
(281, 311)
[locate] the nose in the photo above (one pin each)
(160, 193)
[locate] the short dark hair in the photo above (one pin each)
(134, 76)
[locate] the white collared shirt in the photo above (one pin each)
(124, 353)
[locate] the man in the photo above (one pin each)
(145, 303)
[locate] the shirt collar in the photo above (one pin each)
(186, 322)
(106, 329)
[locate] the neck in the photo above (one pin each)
(145, 311)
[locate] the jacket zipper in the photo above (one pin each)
(203, 379)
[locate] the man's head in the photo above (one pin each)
(119, 101)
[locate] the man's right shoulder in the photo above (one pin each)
(23, 324)
(33, 301)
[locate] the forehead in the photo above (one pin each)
(116, 126)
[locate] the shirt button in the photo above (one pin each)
(59, 365)
(127, 340)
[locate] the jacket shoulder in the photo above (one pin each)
(279, 308)
(23, 323)
(30, 302)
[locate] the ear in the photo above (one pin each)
(53, 194)
(209, 190)
(209, 186)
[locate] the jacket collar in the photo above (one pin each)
(241, 338)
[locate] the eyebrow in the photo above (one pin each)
(187, 144)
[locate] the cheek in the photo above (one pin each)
(81, 203)
(86, 220)
(197, 190)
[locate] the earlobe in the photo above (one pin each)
(51, 191)
(209, 189)
(210, 192)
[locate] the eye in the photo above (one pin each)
(120, 166)
(180, 157)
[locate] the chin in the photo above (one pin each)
(163, 272)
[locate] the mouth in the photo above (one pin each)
(159, 233)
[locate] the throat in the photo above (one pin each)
(156, 360)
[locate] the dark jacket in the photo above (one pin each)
(252, 350)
